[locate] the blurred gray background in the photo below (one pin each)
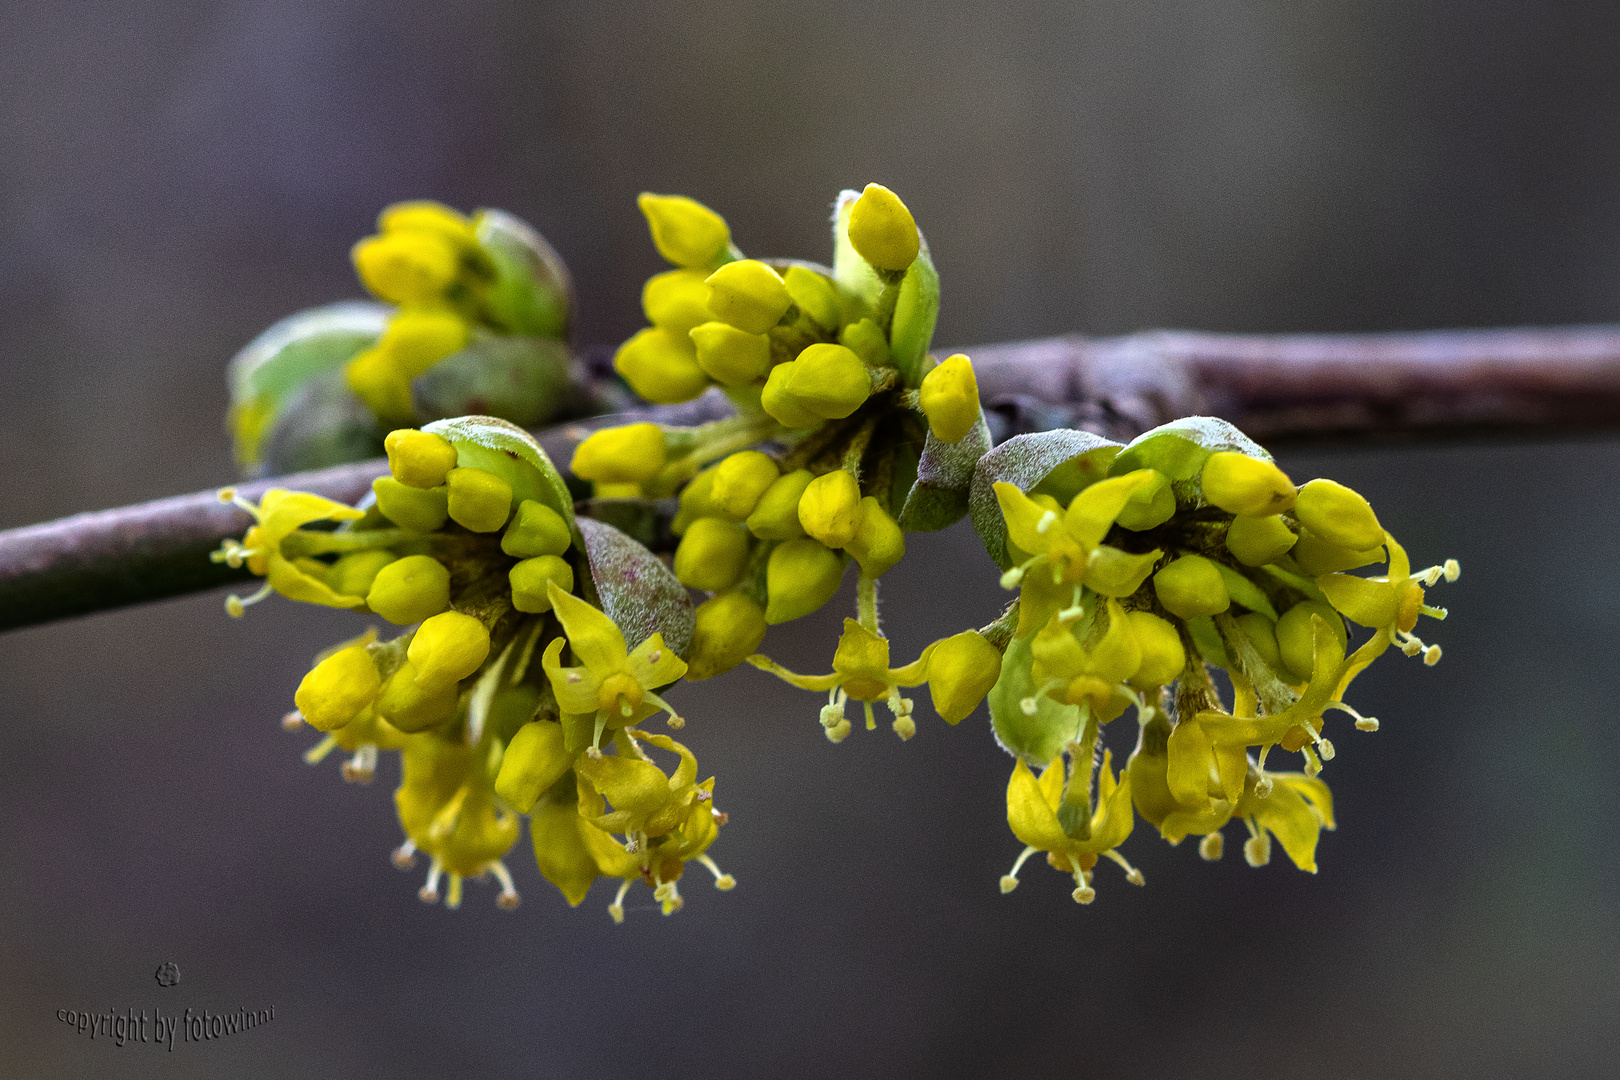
(177, 175)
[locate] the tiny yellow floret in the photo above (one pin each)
(830, 508)
(408, 590)
(447, 648)
(729, 628)
(661, 366)
(684, 231)
(882, 230)
(1240, 484)
(337, 688)
(731, 356)
(479, 500)
(749, 295)
(419, 458)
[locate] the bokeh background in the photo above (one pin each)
(177, 175)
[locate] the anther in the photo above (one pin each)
(1262, 788)
(723, 882)
(292, 721)
(1367, 723)
(362, 767)
(1132, 874)
(1453, 569)
(508, 898)
(1046, 522)
(1257, 850)
(404, 856)
(838, 732)
(1085, 894)
(1028, 706)
(1325, 748)
(1431, 655)
(905, 727)
(429, 893)
(1212, 847)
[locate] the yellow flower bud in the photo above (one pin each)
(1191, 586)
(878, 542)
(800, 576)
(749, 295)
(684, 231)
(661, 366)
(867, 341)
(1255, 541)
(414, 508)
(776, 515)
(1240, 484)
(712, 555)
(815, 294)
(676, 300)
(418, 339)
(377, 381)
(529, 578)
(729, 355)
(533, 761)
(1262, 634)
(447, 648)
(627, 454)
(1338, 515)
(535, 529)
(696, 502)
(961, 670)
(1163, 655)
(425, 215)
(830, 508)
(1296, 643)
(419, 458)
(407, 267)
(354, 573)
(740, 480)
(1317, 556)
(337, 688)
(412, 708)
(949, 398)
(882, 230)
(780, 403)
(479, 500)
(408, 590)
(829, 381)
(729, 628)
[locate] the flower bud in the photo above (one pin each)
(337, 688)
(712, 555)
(1262, 634)
(1149, 506)
(1191, 586)
(780, 403)
(749, 295)
(377, 381)
(419, 458)
(729, 628)
(878, 543)
(354, 573)
(676, 300)
(1163, 655)
(661, 366)
(867, 341)
(740, 480)
(447, 648)
(882, 231)
(1240, 484)
(829, 381)
(800, 576)
(684, 231)
(776, 515)
(1296, 642)
(627, 454)
(731, 356)
(696, 501)
(1317, 556)
(412, 708)
(830, 508)
(1338, 515)
(949, 398)
(530, 577)
(815, 294)
(1255, 541)
(961, 670)
(480, 501)
(426, 215)
(417, 339)
(407, 267)
(418, 509)
(534, 760)
(535, 529)
(409, 590)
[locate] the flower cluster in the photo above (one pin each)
(471, 544)
(1144, 573)
(475, 310)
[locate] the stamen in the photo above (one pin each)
(404, 856)
(315, 754)
(1453, 569)
(871, 717)
(1431, 655)
(838, 732)
(905, 727)
(1262, 787)
(293, 721)
(1325, 748)
(1046, 522)
(452, 899)
(362, 767)
(723, 882)
(508, 898)
(595, 749)
(675, 721)
(1074, 610)
(229, 496)
(236, 605)
(1009, 881)
(429, 893)
(1084, 893)
(616, 909)
(1363, 723)
(1132, 874)
(1313, 764)
(1028, 706)
(1257, 848)
(1212, 847)
(671, 899)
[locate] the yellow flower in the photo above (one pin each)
(279, 514)
(860, 671)
(1391, 603)
(1296, 809)
(1033, 808)
(610, 683)
(448, 809)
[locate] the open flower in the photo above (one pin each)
(1035, 809)
(279, 514)
(610, 684)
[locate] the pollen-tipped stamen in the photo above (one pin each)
(723, 882)
(1009, 881)
(616, 909)
(317, 753)
(362, 767)
(1132, 874)
(429, 893)
(236, 606)
(507, 900)
(404, 856)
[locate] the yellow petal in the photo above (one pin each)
(1023, 516)
(294, 584)
(1093, 511)
(560, 850)
(596, 641)
(655, 664)
(282, 511)
(1030, 815)
(576, 687)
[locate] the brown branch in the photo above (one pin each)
(1431, 383)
